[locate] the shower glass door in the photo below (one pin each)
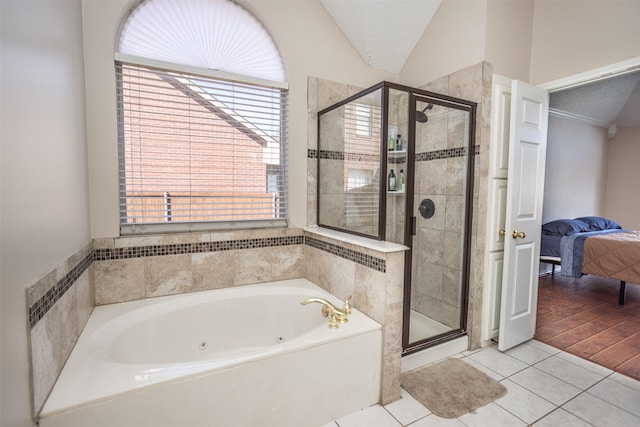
(437, 280)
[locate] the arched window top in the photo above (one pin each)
(206, 34)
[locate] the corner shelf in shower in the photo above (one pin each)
(395, 153)
(396, 193)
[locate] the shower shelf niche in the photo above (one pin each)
(396, 153)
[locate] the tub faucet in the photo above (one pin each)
(335, 314)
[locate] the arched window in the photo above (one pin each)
(201, 93)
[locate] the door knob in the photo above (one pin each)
(502, 233)
(518, 234)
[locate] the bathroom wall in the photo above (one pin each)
(457, 27)
(45, 201)
(572, 37)
(59, 305)
(309, 42)
(131, 268)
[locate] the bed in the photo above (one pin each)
(592, 245)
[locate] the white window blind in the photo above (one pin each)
(202, 119)
(206, 34)
(199, 150)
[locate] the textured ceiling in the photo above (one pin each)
(615, 100)
(384, 32)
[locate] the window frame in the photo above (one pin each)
(169, 227)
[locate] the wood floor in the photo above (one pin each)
(582, 317)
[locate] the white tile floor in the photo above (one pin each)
(546, 388)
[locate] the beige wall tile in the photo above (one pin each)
(342, 277)
(391, 371)
(252, 266)
(167, 275)
(212, 270)
(287, 262)
(370, 292)
(119, 280)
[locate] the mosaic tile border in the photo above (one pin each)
(40, 308)
(377, 264)
(447, 153)
(193, 248)
(420, 157)
(44, 304)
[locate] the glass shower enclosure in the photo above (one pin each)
(396, 163)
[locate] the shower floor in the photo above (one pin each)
(422, 327)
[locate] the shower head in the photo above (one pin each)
(421, 116)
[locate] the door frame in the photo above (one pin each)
(469, 107)
(601, 73)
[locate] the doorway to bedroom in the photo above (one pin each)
(592, 138)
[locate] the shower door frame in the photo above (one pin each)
(470, 107)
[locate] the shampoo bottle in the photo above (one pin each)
(400, 184)
(392, 181)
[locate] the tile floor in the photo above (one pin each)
(546, 387)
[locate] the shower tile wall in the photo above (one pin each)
(440, 176)
(474, 83)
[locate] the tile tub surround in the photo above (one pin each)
(58, 306)
(128, 268)
(374, 276)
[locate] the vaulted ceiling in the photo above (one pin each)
(384, 32)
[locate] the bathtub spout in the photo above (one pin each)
(335, 314)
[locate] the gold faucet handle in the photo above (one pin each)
(347, 305)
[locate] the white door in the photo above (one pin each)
(523, 219)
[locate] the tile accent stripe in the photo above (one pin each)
(42, 306)
(426, 156)
(447, 153)
(38, 309)
(193, 248)
(377, 264)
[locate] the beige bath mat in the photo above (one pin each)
(451, 388)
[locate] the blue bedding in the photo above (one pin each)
(571, 248)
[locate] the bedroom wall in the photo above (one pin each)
(622, 201)
(576, 173)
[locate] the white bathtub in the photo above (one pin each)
(244, 356)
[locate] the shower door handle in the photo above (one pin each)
(414, 230)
